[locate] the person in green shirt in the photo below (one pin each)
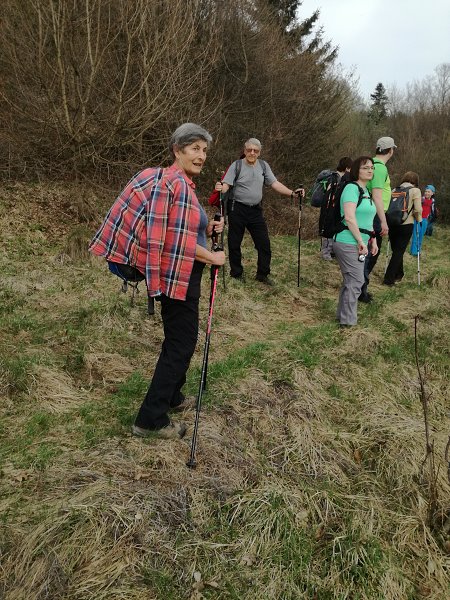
(351, 246)
(380, 190)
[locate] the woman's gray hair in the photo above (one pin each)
(186, 134)
(253, 142)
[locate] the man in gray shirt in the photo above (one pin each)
(245, 210)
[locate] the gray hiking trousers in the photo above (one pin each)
(353, 278)
(326, 248)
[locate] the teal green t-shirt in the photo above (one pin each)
(365, 213)
(382, 181)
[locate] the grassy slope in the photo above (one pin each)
(310, 481)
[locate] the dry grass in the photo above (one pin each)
(309, 481)
(54, 391)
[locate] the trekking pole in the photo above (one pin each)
(222, 235)
(299, 234)
(418, 257)
(191, 463)
(216, 246)
(387, 255)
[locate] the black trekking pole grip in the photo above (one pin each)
(215, 236)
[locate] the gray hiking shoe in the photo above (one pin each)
(172, 431)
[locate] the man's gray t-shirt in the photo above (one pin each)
(249, 186)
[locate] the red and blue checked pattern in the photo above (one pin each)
(153, 226)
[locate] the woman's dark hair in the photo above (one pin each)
(344, 163)
(357, 163)
(411, 177)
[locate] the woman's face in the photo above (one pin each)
(191, 158)
(366, 171)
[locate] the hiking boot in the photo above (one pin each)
(188, 403)
(266, 280)
(240, 277)
(366, 298)
(172, 431)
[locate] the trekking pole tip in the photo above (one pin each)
(191, 464)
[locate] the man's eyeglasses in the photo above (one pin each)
(251, 151)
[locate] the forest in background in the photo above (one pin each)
(98, 92)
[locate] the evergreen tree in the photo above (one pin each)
(378, 108)
(300, 32)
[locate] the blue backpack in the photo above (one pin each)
(130, 276)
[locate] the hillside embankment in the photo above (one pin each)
(312, 478)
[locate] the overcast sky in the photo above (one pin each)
(392, 41)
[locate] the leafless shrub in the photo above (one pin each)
(103, 81)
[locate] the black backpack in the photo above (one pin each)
(320, 187)
(326, 217)
(398, 212)
(332, 219)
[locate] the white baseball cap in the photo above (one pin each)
(385, 143)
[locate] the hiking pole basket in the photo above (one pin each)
(191, 463)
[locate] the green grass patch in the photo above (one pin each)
(10, 301)
(15, 373)
(307, 347)
(235, 367)
(114, 413)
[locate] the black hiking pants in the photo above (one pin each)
(399, 237)
(240, 218)
(180, 322)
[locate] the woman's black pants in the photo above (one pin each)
(399, 237)
(180, 321)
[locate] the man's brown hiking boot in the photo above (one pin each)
(173, 431)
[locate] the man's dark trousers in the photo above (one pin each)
(180, 320)
(243, 217)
